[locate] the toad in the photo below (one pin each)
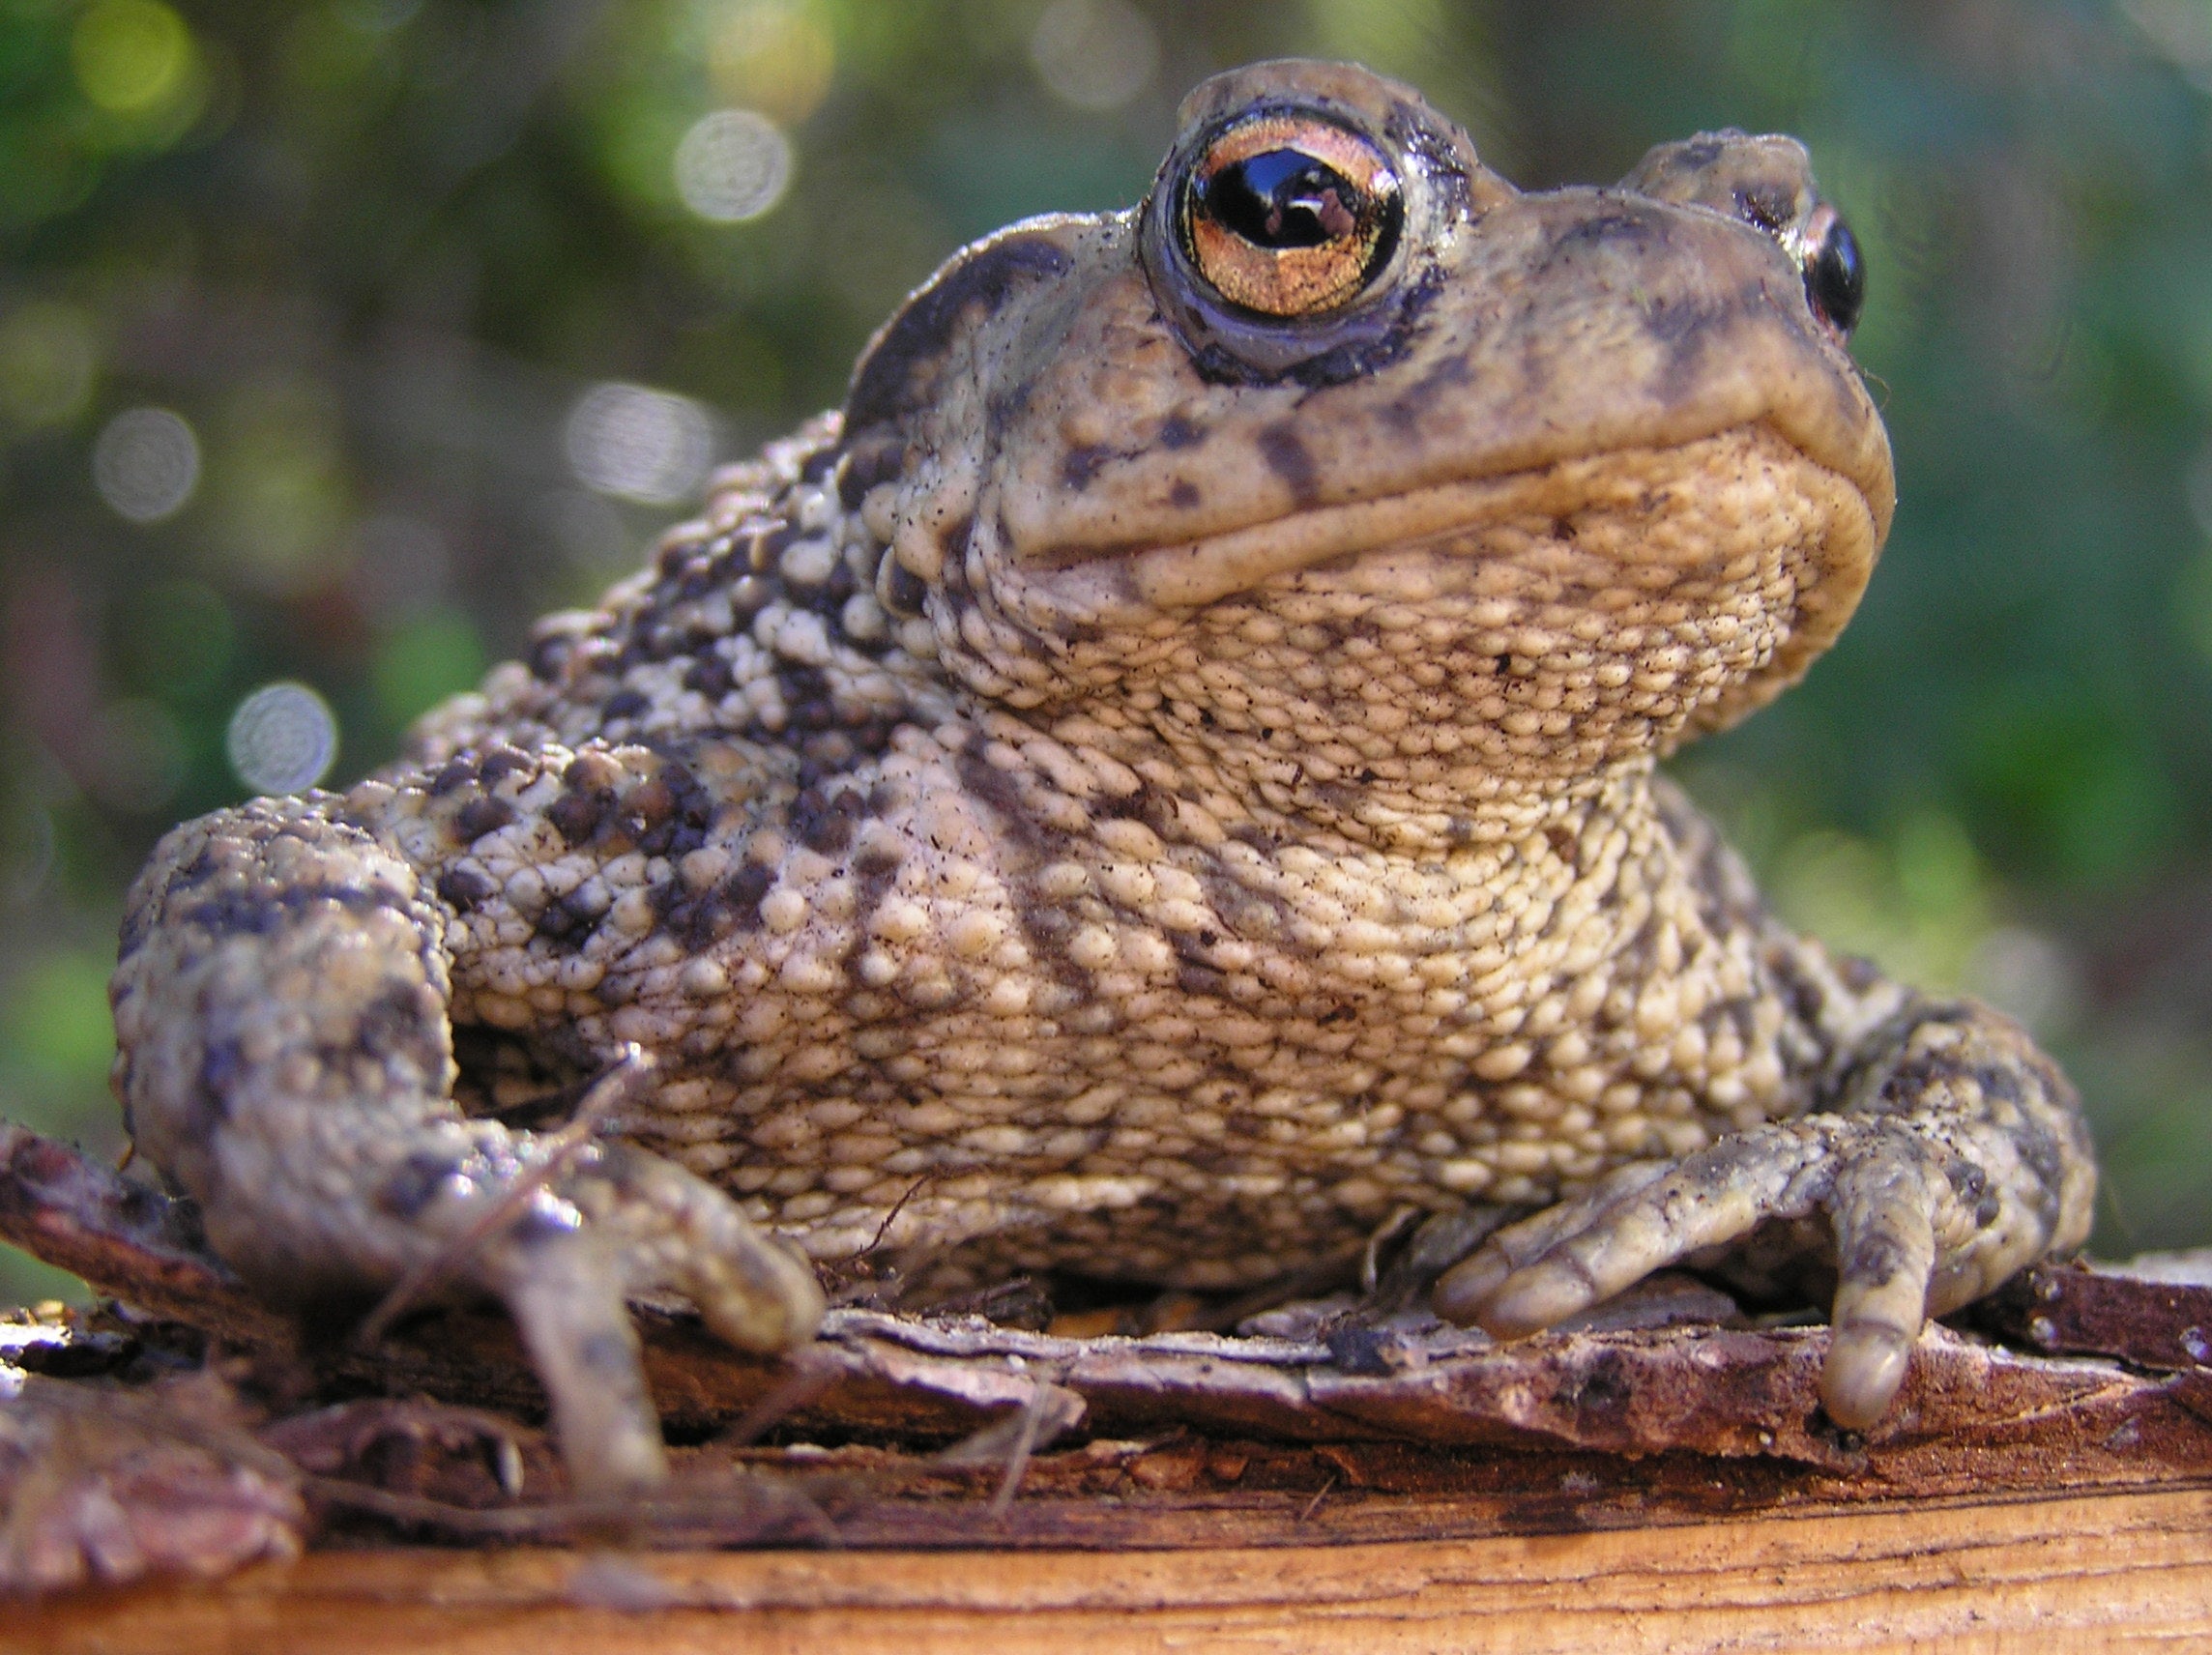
(1162, 786)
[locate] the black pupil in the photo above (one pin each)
(1281, 198)
(1836, 281)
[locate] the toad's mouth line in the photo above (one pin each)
(1194, 574)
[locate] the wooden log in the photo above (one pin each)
(1661, 1482)
(2109, 1571)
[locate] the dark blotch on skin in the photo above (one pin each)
(591, 771)
(1178, 433)
(1079, 465)
(222, 1068)
(806, 698)
(874, 862)
(1624, 224)
(1673, 321)
(868, 462)
(482, 816)
(576, 816)
(709, 675)
(1184, 494)
(500, 763)
(650, 803)
(1999, 1085)
(902, 590)
(259, 914)
(565, 925)
(1290, 459)
(1196, 979)
(464, 890)
(983, 279)
(548, 657)
(414, 1185)
(741, 893)
(826, 823)
(997, 791)
(395, 1027)
(1875, 1259)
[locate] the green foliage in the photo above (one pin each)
(373, 252)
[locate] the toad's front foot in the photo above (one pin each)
(1954, 1157)
(286, 1058)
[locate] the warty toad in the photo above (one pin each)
(1160, 784)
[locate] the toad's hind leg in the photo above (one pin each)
(284, 1054)
(1953, 1156)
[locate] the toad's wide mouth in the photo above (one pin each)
(1667, 524)
(1193, 573)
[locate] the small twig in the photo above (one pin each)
(898, 1207)
(553, 1153)
(1385, 1233)
(650, 1511)
(1023, 1445)
(1313, 1505)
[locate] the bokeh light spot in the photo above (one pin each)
(131, 56)
(1095, 54)
(773, 57)
(49, 356)
(732, 165)
(640, 443)
(146, 464)
(282, 738)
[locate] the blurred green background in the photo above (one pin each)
(339, 339)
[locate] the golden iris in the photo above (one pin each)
(1291, 216)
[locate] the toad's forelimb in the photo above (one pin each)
(1952, 1156)
(286, 1058)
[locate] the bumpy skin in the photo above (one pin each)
(1150, 791)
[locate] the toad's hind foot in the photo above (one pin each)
(285, 1057)
(1954, 1157)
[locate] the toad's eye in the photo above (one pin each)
(1835, 274)
(1288, 216)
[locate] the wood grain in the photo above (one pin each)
(2074, 1574)
(1660, 1484)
